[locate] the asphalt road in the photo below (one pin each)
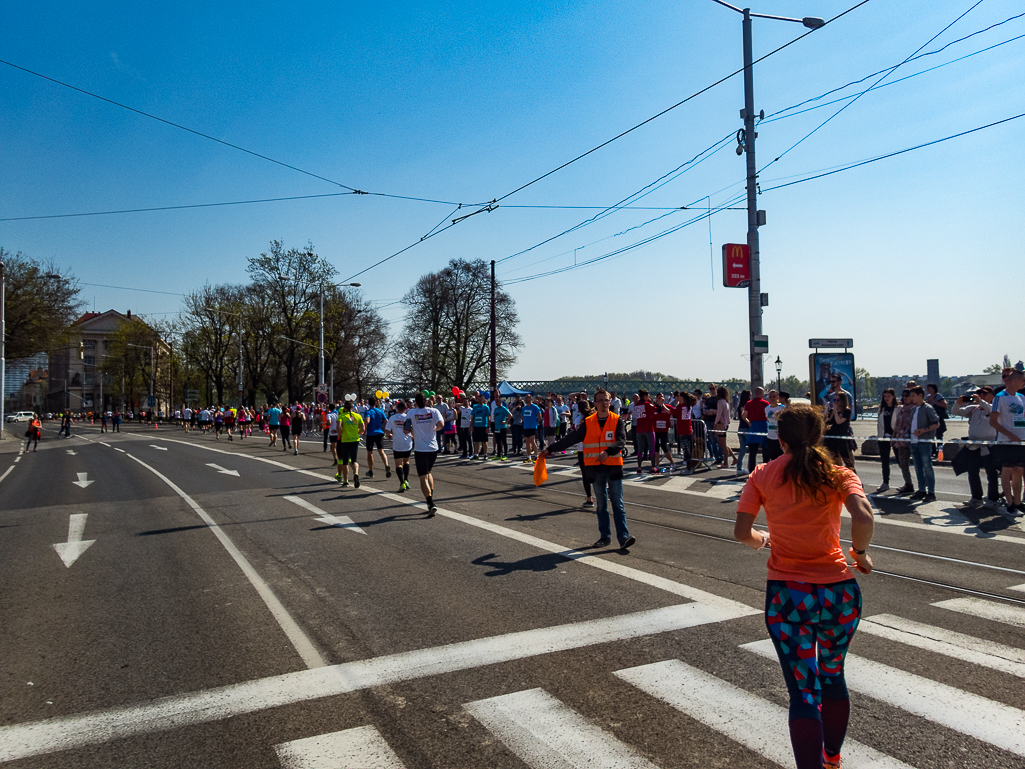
(168, 600)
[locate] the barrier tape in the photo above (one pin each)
(906, 439)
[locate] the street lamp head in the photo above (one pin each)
(52, 276)
(355, 285)
(813, 22)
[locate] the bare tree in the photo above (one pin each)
(40, 304)
(446, 338)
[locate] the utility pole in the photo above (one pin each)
(320, 360)
(754, 288)
(239, 359)
(494, 345)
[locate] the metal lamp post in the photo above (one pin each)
(779, 374)
(754, 216)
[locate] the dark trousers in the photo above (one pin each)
(884, 457)
(463, 433)
(583, 473)
(977, 462)
(517, 439)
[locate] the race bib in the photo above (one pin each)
(609, 435)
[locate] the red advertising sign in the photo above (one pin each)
(736, 265)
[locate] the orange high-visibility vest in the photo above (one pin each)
(597, 439)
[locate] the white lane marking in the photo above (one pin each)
(978, 651)
(302, 643)
(17, 459)
(83, 480)
(341, 521)
(962, 711)
(222, 470)
(991, 610)
(678, 483)
(745, 718)
(158, 448)
(72, 452)
(43, 737)
(102, 443)
(6, 472)
(544, 733)
(363, 746)
(1019, 588)
(972, 531)
(676, 588)
(121, 450)
(71, 550)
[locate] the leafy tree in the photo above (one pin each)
(41, 303)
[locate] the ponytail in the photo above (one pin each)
(810, 467)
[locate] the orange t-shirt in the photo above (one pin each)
(804, 533)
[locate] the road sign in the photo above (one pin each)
(321, 398)
(322, 388)
(151, 401)
(736, 265)
(831, 344)
(761, 343)
(192, 395)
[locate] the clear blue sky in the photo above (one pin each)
(914, 257)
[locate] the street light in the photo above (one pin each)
(754, 216)
(779, 370)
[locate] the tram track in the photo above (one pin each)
(730, 540)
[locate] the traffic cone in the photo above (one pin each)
(939, 455)
(156, 426)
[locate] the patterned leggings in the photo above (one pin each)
(811, 627)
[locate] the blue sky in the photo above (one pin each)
(465, 102)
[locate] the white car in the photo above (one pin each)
(20, 416)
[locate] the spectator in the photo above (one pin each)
(924, 423)
(901, 448)
(756, 410)
(1008, 419)
(721, 425)
(977, 408)
(939, 404)
(885, 424)
(838, 428)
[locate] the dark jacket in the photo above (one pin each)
(576, 435)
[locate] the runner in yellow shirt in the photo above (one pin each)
(350, 428)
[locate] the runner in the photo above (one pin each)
(34, 433)
(502, 417)
(660, 426)
(772, 413)
(375, 419)
(684, 428)
(273, 421)
(481, 420)
(813, 602)
(531, 414)
(644, 442)
(298, 422)
(465, 424)
(229, 422)
(331, 431)
(350, 427)
(218, 422)
(401, 444)
(422, 423)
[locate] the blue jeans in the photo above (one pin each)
(606, 489)
(921, 455)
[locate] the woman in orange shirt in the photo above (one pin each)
(812, 601)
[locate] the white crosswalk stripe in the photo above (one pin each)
(991, 610)
(977, 651)
(546, 734)
(360, 747)
(1019, 588)
(747, 719)
(962, 711)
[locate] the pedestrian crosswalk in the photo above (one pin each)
(542, 731)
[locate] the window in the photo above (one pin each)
(90, 360)
(89, 344)
(106, 344)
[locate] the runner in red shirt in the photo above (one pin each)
(660, 423)
(644, 429)
(684, 428)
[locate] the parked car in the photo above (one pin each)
(20, 416)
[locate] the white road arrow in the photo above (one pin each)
(160, 448)
(72, 453)
(340, 521)
(83, 481)
(224, 470)
(70, 551)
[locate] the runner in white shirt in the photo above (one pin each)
(1008, 418)
(423, 423)
(332, 434)
(401, 443)
(187, 418)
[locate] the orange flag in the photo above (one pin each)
(540, 471)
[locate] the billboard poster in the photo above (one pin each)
(824, 366)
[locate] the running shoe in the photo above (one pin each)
(471, 457)
(830, 762)
(504, 459)
(918, 495)
(405, 484)
(370, 473)
(355, 480)
(387, 471)
(432, 511)
(295, 453)
(906, 489)
(929, 497)
(627, 543)
(588, 503)
(338, 476)
(344, 484)
(402, 487)
(603, 542)
(528, 461)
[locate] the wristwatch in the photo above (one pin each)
(859, 552)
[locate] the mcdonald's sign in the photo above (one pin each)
(736, 265)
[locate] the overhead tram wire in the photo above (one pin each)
(887, 73)
(493, 204)
(165, 121)
(717, 209)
